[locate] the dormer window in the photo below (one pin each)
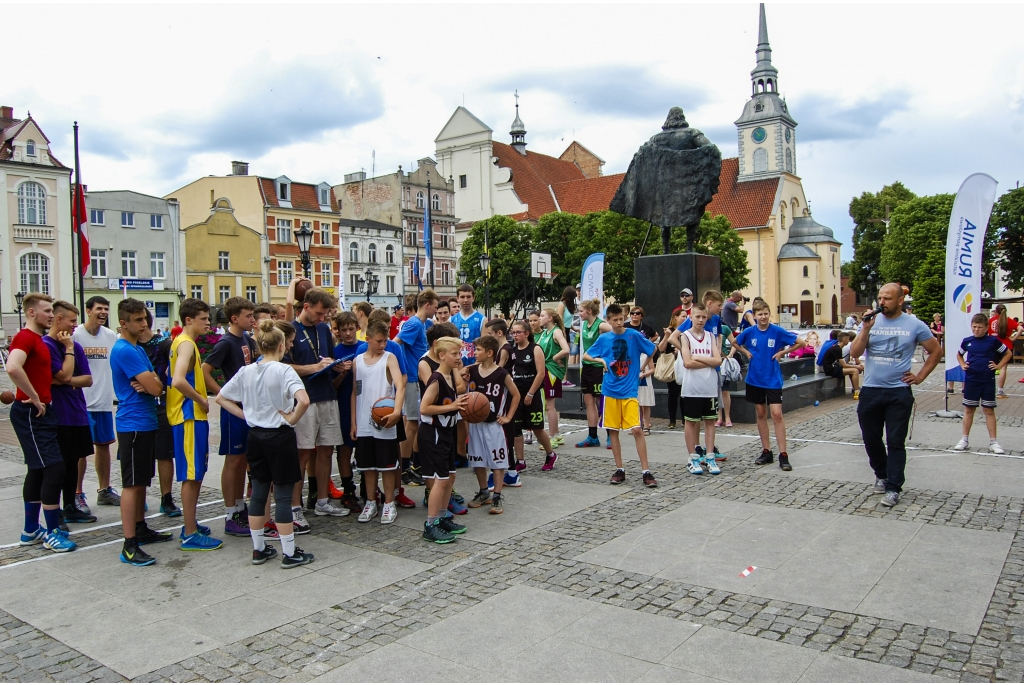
(283, 188)
(282, 191)
(325, 196)
(30, 148)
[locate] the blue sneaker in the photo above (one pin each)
(57, 541)
(608, 442)
(490, 481)
(200, 542)
(589, 442)
(455, 507)
(200, 528)
(136, 557)
(33, 538)
(513, 480)
(458, 498)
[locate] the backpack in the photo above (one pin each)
(730, 370)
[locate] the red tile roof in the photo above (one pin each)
(745, 204)
(587, 195)
(304, 196)
(532, 173)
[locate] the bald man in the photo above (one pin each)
(886, 399)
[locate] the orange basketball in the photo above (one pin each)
(381, 410)
(478, 408)
(7, 397)
(301, 288)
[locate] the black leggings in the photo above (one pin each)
(673, 401)
(43, 485)
(70, 485)
(282, 500)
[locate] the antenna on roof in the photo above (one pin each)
(373, 164)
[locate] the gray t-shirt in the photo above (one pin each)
(891, 345)
(731, 314)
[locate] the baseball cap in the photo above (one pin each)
(578, 286)
(685, 291)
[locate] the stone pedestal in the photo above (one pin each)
(659, 278)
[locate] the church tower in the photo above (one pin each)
(518, 131)
(766, 131)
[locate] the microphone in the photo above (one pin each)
(873, 313)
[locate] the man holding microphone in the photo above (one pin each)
(886, 400)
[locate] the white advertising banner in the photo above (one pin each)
(341, 276)
(593, 279)
(964, 242)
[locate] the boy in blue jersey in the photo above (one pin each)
(412, 337)
(981, 356)
(346, 325)
(470, 324)
(765, 344)
(619, 352)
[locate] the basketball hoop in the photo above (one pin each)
(548, 277)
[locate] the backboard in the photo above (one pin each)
(540, 264)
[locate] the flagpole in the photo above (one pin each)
(74, 250)
(78, 189)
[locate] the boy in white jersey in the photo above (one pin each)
(702, 356)
(377, 374)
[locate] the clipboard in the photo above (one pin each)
(331, 367)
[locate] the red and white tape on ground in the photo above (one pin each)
(747, 571)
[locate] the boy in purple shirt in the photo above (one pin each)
(70, 369)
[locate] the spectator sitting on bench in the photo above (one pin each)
(836, 367)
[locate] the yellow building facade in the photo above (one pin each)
(223, 256)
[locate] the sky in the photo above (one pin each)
(921, 93)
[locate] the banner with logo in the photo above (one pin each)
(341, 275)
(964, 242)
(593, 279)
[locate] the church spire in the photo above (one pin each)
(765, 77)
(518, 131)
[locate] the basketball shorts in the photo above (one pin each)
(234, 434)
(135, 452)
(101, 424)
(980, 393)
(620, 414)
(700, 408)
(437, 451)
(37, 435)
(488, 448)
(591, 379)
(552, 386)
(191, 449)
(530, 416)
(377, 454)
(164, 435)
(319, 426)
(758, 395)
(273, 455)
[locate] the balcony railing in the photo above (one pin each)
(24, 233)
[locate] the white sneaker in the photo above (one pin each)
(962, 445)
(298, 516)
(369, 512)
(694, 465)
(388, 514)
(995, 448)
(330, 509)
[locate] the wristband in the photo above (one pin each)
(66, 354)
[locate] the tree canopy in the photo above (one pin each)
(509, 247)
(716, 237)
(1007, 225)
(869, 232)
(916, 227)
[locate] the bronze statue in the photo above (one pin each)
(671, 179)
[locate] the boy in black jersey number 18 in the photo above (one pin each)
(488, 447)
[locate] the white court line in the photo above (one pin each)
(82, 549)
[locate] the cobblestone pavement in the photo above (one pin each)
(545, 557)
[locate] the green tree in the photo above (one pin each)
(552, 235)
(1007, 228)
(916, 227)
(717, 237)
(620, 238)
(930, 285)
(509, 243)
(869, 232)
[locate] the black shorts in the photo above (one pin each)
(377, 454)
(980, 393)
(164, 436)
(75, 443)
(591, 378)
(136, 451)
(700, 408)
(529, 417)
(437, 451)
(273, 455)
(836, 372)
(756, 395)
(37, 435)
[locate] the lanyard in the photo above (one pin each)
(316, 348)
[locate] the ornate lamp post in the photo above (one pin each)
(304, 236)
(485, 264)
(19, 298)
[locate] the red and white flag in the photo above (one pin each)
(80, 224)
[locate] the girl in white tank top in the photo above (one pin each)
(371, 385)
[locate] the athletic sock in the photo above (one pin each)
(592, 430)
(322, 502)
(130, 543)
(347, 484)
(433, 521)
(240, 505)
(312, 486)
(32, 516)
(406, 463)
(258, 543)
(52, 517)
(167, 499)
(288, 545)
(228, 513)
(415, 459)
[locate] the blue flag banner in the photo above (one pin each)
(416, 269)
(428, 233)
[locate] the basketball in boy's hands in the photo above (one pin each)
(7, 397)
(301, 288)
(478, 408)
(381, 410)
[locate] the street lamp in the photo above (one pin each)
(462, 277)
(371, 281)
(19, 298)
(485, 265)
(304, 236)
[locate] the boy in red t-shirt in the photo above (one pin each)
(36, 426)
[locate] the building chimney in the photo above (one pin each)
(6, 112)
(239, 168)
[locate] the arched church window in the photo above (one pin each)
(806, 275)
(789, 160)
(760, 160)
